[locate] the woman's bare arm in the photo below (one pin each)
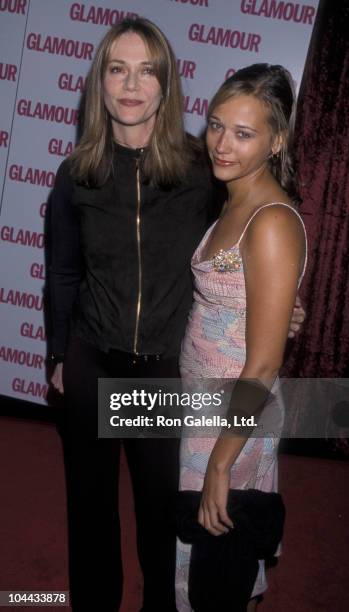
(273, 253)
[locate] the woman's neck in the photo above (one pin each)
(134, 137)
(249, 187)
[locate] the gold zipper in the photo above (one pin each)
(138, 229)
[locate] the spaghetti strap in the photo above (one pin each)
(296, 213)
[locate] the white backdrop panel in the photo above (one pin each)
(45, 51)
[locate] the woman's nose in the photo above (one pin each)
(224, 143)
(131, 80)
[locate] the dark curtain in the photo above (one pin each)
(322, 151)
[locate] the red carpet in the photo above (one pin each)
(313, 572)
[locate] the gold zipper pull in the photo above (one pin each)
(138, 233)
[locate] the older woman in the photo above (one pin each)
(128, 209)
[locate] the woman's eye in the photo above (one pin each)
(243, 135)
(149, 71)
(116, 69)
(214, 125)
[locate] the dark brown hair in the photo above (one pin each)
(273, 85)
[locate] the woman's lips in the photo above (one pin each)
(129, 102)
(223, 162)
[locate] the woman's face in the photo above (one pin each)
(132, 93)
(239, 138)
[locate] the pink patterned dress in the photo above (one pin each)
(214, 348)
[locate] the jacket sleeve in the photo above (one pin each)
(219, 195)
(65, 271)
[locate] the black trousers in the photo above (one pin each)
(92, 471)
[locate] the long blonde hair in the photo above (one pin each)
(167, 157)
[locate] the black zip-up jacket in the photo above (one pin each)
(120, 260)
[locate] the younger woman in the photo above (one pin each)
(247, 270)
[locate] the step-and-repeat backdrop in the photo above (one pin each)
(46, 47)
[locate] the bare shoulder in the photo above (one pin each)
(276, 221)
(275, 240)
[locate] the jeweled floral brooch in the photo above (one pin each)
(226, 261)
